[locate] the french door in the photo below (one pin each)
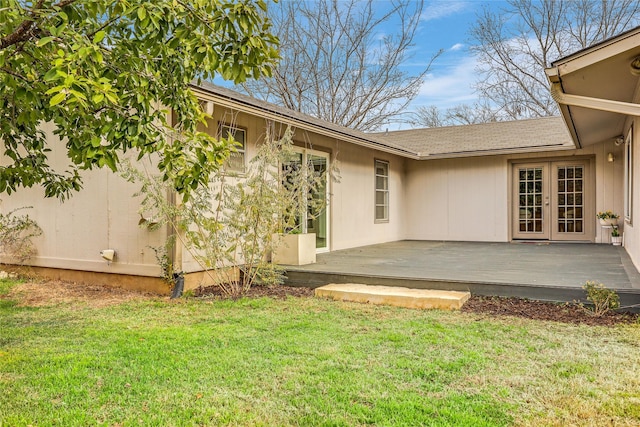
(315, 218)
(552, 201)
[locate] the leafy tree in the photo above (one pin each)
(106, 73)
(340, 63)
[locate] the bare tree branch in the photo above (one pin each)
(339, 65)
(515, 45)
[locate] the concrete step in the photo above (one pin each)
(392, 295)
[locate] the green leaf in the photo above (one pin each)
(142, 13)
(50, 75)
(57, 99)
(44, 41)
(99, 36)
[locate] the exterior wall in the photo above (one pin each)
(353, 204)
(469, 199)
(458, 199)
(352, 195)
(104, 215)
(464, 199)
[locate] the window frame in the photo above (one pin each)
(241, 151)
(628, 177)
(384, 191)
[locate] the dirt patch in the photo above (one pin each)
(539, 310)
(488, 306)
(277, 292)
(50, 293)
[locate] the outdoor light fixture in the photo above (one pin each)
(610, 158)
(635, 66)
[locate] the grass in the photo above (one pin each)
(307, 362)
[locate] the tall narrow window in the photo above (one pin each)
(628, 176)
(382, 191)
(236, 160)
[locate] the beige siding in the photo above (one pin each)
(457, 199)
(104, 215)
(465, 199)
(352, 202)
(468, 199)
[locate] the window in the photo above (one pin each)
(382, 191)
(236, 160)
(628, 176)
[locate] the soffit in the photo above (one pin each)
(602, 71)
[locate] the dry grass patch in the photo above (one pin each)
(56, 292)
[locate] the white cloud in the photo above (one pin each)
(447, 86)
(456, 46)
(442, 9)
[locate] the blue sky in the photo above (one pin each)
(445, 25)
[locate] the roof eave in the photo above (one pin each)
(273, 114)
(597, 52)
(504, 151)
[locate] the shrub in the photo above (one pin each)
(16, 234)
(602, 298)
(231, 222)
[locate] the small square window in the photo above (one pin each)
(236, 160)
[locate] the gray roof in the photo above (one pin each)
(543, 134)
(241, 100)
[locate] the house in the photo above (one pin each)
(598, 90)
(540, 179)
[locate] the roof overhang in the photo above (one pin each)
(597, 88)
(238, 102)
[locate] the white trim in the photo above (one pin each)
(628, 177)
(384, 191)
(594, 103)
(597, 53)
(305, 152)
(224, 126)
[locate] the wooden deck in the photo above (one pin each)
(544, 271)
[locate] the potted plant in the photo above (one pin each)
(607, 218)
(616, 237)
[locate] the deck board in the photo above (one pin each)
(551, 271)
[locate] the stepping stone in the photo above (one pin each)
(396, 296)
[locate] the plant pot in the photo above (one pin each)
(294, 249)
(607, 222)
(616, 240)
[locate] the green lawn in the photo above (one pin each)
(307, 362)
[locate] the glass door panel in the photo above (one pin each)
(317, 207)
(291, 170)
(314, 218)
(551, 201)
(569, 199)
(531, 202)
